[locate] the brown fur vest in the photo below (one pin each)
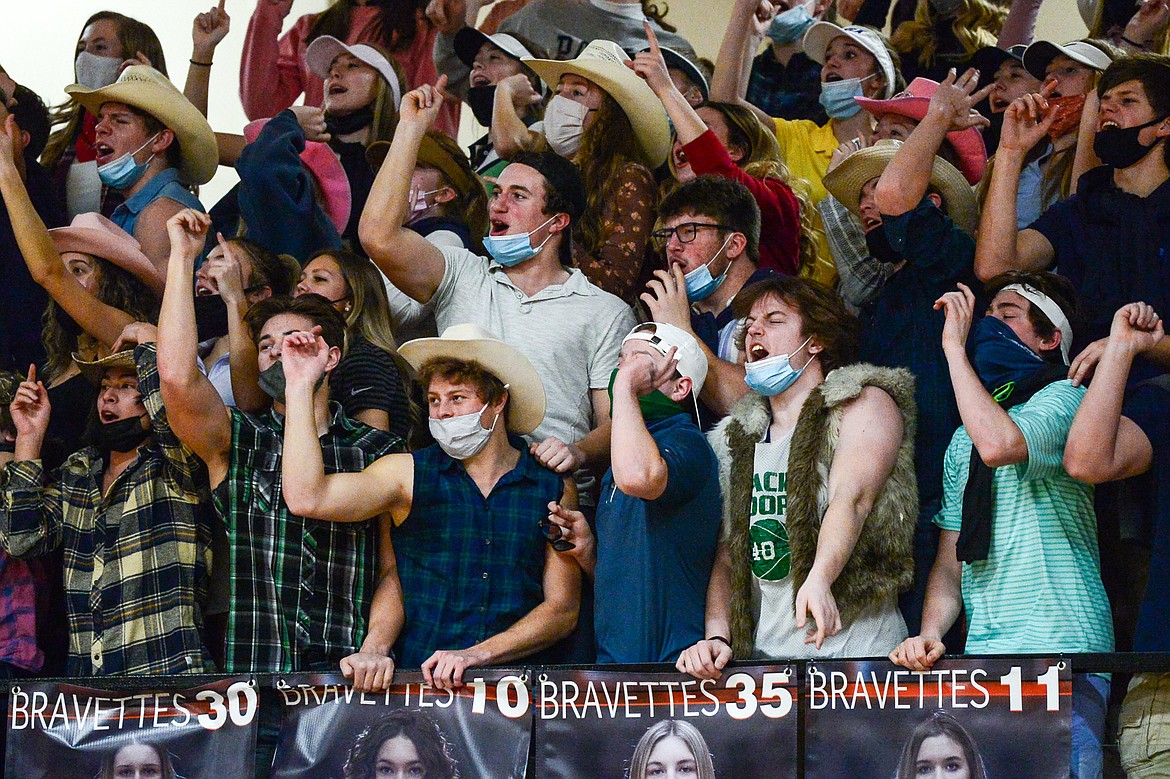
(882, 563)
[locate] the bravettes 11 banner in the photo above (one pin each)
(976, 719)
(330, 731)
(614, 725)
(61, 731)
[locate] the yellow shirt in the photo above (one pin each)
(807, 149)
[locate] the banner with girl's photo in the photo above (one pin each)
(964, 718)
(482, 729)
(61, 731)
(611, 725)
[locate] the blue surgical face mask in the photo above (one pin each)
(837, 97)
(774, 374)
(123, 172)
(791, 25)
(700, 284)
(509, 250)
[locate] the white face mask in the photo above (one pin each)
(94, 72)
(417, 201)
(462, 436)
(564, 123)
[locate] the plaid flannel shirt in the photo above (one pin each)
(300, 588)
(136, 559)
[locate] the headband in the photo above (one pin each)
(1050, 309)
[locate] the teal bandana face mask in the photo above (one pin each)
(509, 250)
(837, 97)
(791, 25)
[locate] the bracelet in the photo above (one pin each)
(1135, 44)
(201, 64)
(724, 639)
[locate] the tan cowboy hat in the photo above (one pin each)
(604, 63)
(472, 343)
(146, 89)
(96, 369)
(846, 180)
(93, 234)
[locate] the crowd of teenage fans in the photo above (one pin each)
(844, 345)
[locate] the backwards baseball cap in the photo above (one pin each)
(562, 175)
(692, 363)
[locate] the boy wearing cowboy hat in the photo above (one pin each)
(152, 143)
(480, 585)
(131, 511)
(920, 214)
(660, 510)
(280, 619)
(569, 329)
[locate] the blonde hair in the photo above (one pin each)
(977, 24)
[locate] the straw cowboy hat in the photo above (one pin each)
(96, 369)
(604, 63)
(149, 91)
(472, 343)
(97, 236)
(913, 104)
(327, 171)
(322, 51)
(846, 180)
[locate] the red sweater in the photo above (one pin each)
(273, 72)
(779, 208)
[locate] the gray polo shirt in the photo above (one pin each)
(571, 332)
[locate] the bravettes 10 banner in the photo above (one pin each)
(861, 720)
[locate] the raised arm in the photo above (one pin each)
(1001, 247)
(906, 179)
(745, 31)
(227, 273)
(650, 65)
(31, 513)
(450, 16)
(103, 322)
(994, 434)
(509, 134)
(639, 469)
(411, 262)
(270, 75)
(385, 486)
(871, 432)
(195, 410)
(1102, 444)
(207, 31)
(1020, 24)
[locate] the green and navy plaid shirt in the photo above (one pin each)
(300, 588)
(136, 560)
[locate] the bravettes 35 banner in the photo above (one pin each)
(61, 731)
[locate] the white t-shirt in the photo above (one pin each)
(875, 632)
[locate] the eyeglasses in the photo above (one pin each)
(553, 534)
(685, 232)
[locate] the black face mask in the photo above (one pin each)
(991, 133)
(211, 317)
(272, 381)
(351, 122)
(125, 435)
(879, 246)
(1119, 148)
(481, 100)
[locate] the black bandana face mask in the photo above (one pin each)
(346, 124)
(124, 435)
(211, 317)
(482, 100)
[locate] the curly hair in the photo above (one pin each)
(134, 36)
(762, 159)
(430, 743)
(607, 146)
(976, 25)
(117, 288)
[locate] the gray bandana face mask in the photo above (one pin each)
(272, 381)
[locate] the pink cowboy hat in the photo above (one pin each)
(913, 104)
(97, 236)
(326, 169)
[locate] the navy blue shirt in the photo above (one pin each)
(901, 329)
(789, 92)
(1149, 408)
(654, 557)
(1113, 247)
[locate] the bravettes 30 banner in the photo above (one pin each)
(608, 725)
(482, 729)
(59, 731)
(976, 719)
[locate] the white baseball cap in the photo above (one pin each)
(692, 363)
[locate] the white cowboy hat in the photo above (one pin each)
(149, 91)
(604, 63)
(472, 343)
(846, 180)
